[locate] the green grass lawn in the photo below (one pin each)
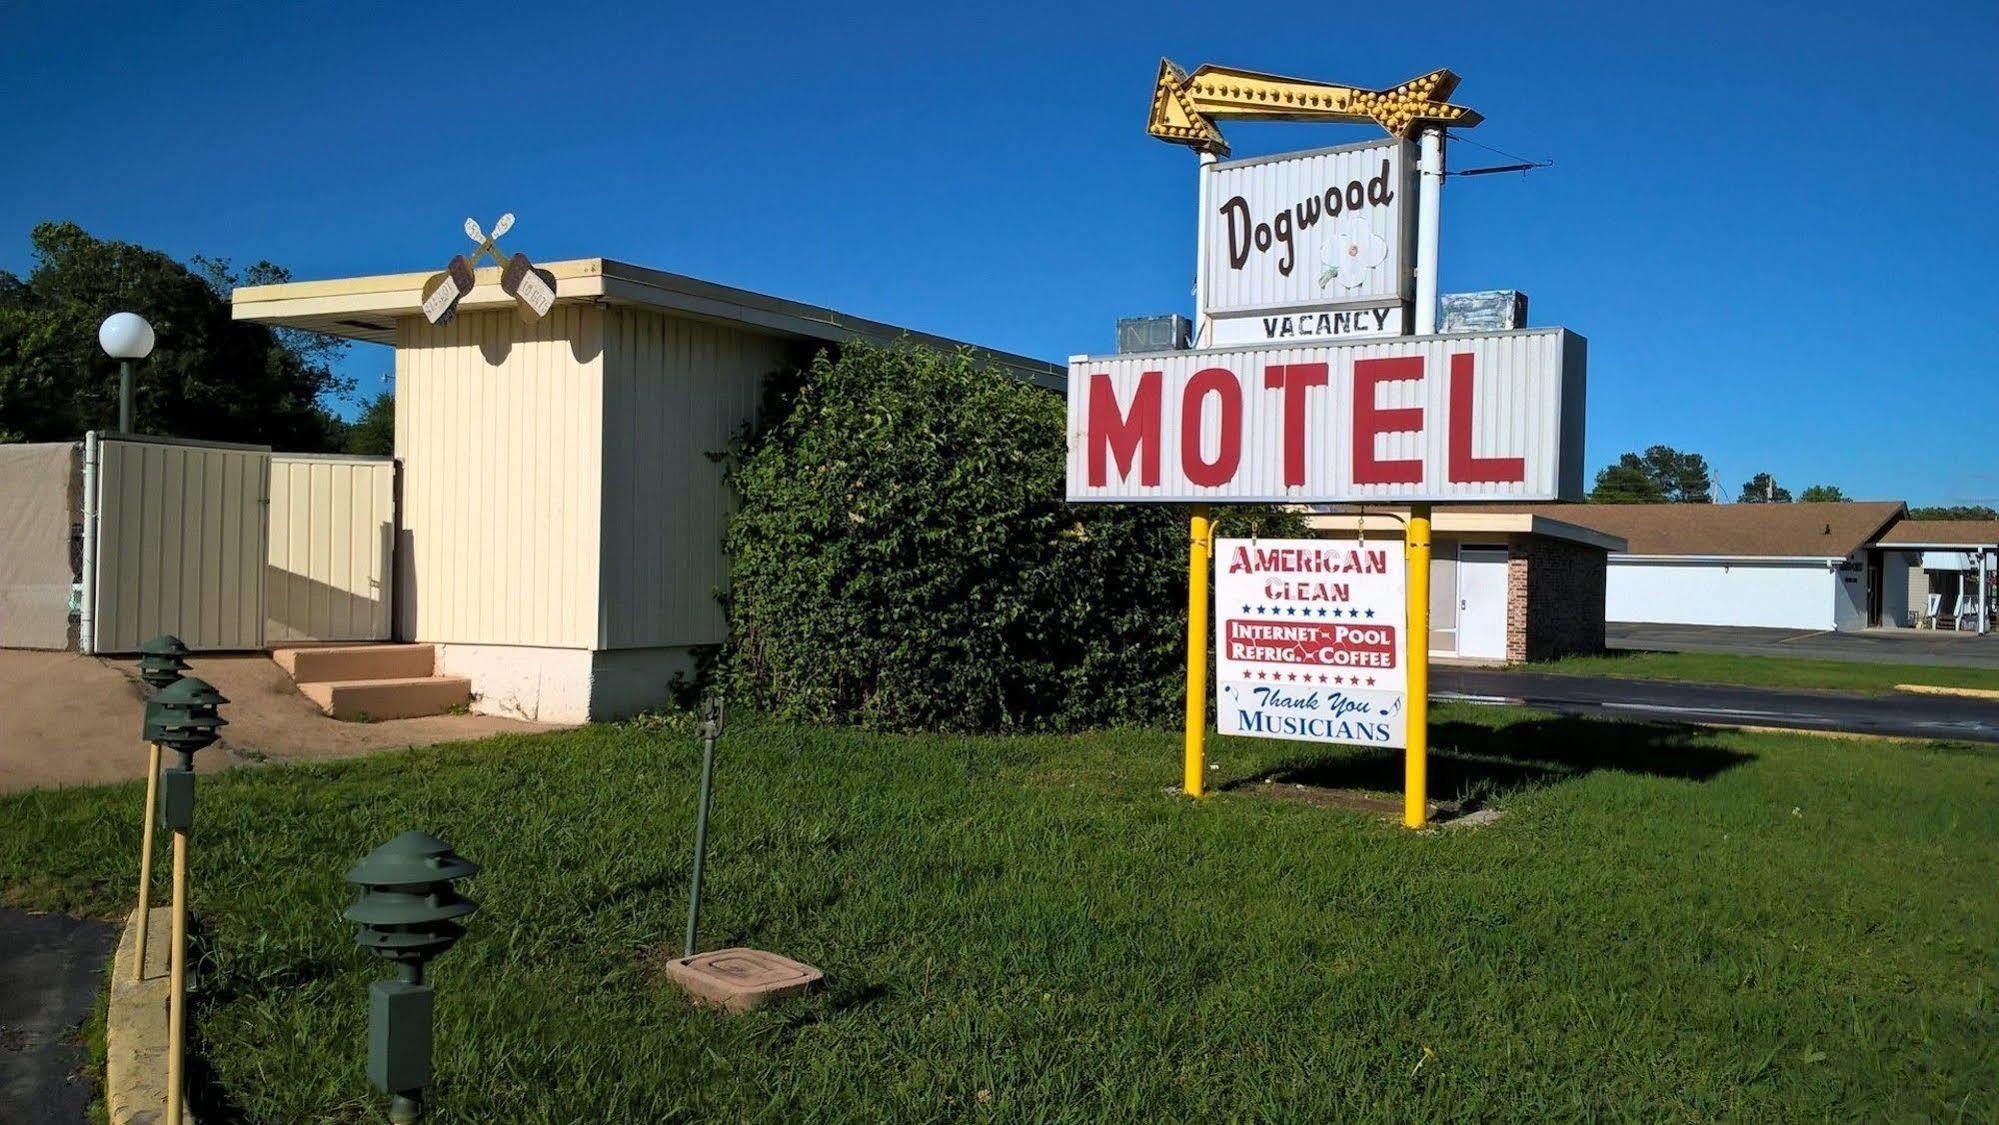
(1667, 923)
(1769, 671)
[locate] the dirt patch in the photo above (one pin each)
(1443, 814)
(67, 719)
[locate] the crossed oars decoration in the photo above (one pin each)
(1186, 107)
(533, 289)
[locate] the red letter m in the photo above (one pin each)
(1133, 434)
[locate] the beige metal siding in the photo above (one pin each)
(180, 545)
(675, 392)
(499, 428)
(332, 549)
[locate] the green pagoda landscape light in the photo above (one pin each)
(162, 660)
(407, 911)
(184, 717)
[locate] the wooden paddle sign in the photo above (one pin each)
(532, 288)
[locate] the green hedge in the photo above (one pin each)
(903, 558)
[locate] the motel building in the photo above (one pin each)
(1537, 582)
(1822, 567)
(559, 516)
(1505, 585)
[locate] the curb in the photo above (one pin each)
(135, 1028)
(1966, 692)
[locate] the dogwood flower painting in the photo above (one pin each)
(1351, 254)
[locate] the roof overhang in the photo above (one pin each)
(1938, 545)
(1461, 522)
(1767, 560)
(368, 308)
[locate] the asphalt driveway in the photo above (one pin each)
(1899, 715)
(1872, 646)
(50, 968)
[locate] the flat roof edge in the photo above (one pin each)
(320, 306)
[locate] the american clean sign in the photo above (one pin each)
(1310, 640)
(1309, 245)
(1495, 416)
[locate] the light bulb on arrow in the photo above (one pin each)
(1186, 107)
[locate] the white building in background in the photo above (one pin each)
(1823, 567)
(1780, 566)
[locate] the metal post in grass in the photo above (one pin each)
(161, 662)
(739, 979)
(407, 911)
(185, 718)
(709, 730)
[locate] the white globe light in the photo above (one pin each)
(126, 336)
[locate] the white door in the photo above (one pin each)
(1482, 602)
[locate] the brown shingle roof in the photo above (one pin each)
(1737, 530)
(1968, 533)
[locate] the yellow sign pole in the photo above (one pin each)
(1201, 534)
(1416, 760)
(146, 859)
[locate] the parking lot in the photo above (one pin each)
(1878, 646)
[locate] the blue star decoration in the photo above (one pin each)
(1370, 613)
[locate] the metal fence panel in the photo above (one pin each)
(180, 544)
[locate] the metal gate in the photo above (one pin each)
(174, 542)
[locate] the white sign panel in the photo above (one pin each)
(1349, 323)
(1309, 640)
(1323, 228)
(1497, 416)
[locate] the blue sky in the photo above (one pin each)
(1773, 221)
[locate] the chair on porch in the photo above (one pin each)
(1926, 618)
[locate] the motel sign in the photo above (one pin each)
(1497, 416)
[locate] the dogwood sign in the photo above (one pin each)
(1309, 245)
(1310, 640)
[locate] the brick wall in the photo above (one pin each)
(1554, 599)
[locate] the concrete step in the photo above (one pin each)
(397, 698)
(326, 663)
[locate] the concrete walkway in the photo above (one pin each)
(1899, 715)
(50, 968)
(67, 719)
(1940, 648)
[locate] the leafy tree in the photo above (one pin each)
(1764, 489)
(209, 376)
(1626, 482)
(373, 431)
(1661, 474)
(1684, 477)
(1823, 494)
(1955, 512)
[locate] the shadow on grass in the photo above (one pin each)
(1471, 763)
